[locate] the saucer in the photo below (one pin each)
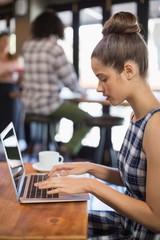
(41, 168)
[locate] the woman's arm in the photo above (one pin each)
(146, 213)
(66, 72)
(137, 210)
(108, 174)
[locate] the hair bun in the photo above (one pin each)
(120, 23)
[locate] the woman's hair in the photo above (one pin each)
(47, 24)
(121, 42)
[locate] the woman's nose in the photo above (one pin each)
(99, 88)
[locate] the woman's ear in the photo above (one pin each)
(130, 69)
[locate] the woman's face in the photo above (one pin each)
(110, 83)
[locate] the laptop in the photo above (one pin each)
(23, 184)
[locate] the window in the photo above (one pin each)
(89, 35)
(130, 7)
(154, 44)
(67, 43)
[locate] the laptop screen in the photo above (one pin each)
(13, 156)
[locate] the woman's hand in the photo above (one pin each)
(65, 184)
(66, 169)
(69, 185)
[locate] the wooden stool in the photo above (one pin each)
(47, 125)
(105, 153)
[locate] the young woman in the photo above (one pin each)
(120, 62)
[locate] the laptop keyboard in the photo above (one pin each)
(34, 192)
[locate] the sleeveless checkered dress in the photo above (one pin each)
(132, 165)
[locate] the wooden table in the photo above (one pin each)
(95, 99)
(38, 221)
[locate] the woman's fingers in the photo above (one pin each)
(61, 169)
(68, 169)
(45, 184)
(60, 185)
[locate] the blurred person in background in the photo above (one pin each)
(47, 72)
(11, 71)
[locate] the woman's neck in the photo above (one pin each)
(143, 101)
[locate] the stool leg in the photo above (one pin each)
(99, 153)
(104, 153)
(51, 134)
(113, 157)
(44, 136)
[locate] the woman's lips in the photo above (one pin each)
(107, 98)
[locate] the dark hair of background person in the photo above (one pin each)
(46, 24)
(121, 42)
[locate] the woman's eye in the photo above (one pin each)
(103, 81)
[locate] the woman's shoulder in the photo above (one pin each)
(154, 113)
(153, 119)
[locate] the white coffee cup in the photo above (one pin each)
(48, 159)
